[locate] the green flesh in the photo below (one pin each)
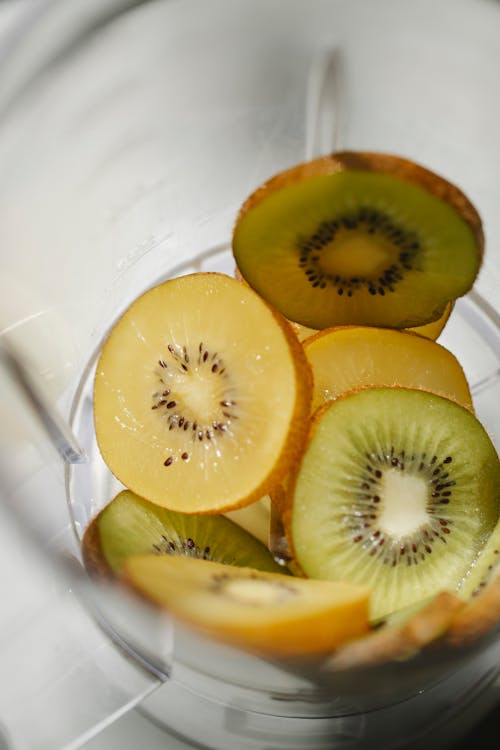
(130, 525)
(485, 568)
(350, 523)
(269, 241)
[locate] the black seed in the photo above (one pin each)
(171, 404)
(169, 461)
(448, 460)
(190, 543)
(185, 456)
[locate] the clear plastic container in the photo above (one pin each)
(130, 133)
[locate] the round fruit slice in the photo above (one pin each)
(485, 568)
(265, 613)
(479, 616)
(398, 489)
(352, 357)
(201, 395)
(434, 329)
(130, 525)
(429, 330)
(400, 638)
(361, 238)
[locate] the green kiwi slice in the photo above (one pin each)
(485, 568)
(360, 238)
(130, 525)
(398, 489)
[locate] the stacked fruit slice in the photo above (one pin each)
(311, 384)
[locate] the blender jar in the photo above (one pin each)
(130, 134)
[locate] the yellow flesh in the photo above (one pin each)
(239, 373)
(254, 518)
(264, 612)
(346, 358)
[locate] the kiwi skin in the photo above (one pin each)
(370, 161)
(401, 641)
(94, 560)
(479, 616)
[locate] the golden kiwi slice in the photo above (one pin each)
(201, 395)
(352, 357)
(360, 238)
(262, 612)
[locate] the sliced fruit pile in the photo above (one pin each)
(303, 413)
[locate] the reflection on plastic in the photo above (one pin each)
(63, 677)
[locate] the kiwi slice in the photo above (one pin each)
(398, 489)
(434, 329)
(352, 357)
(481, 590)
(264, 613)
(479, 617)
(402, 636)
(130, 525)
(429, 330)
(485, 568)
(361, 238)
(201, 394)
